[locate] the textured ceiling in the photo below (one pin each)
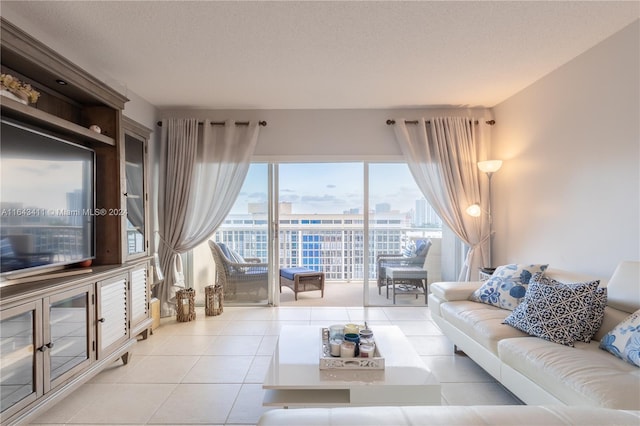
(205, 54)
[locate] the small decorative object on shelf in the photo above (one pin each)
(213, 297)
(185, 305)
(95, 128)
(13, 88)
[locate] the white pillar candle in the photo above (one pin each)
(347, 350)
(335, 347)
(366, 351)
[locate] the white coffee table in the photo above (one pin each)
(294, 378)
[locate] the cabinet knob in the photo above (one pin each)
(101, 320)
(49, 345)
(43, 348)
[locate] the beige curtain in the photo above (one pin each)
(202, 168)
(442, 156)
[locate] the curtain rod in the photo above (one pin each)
(390, 122)
(221, 123)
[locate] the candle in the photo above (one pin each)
(347, 350)
(335, 347)
(366, 351)
(336, 331)
(351, 328)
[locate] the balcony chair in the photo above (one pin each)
(242, 279)
(412, 255)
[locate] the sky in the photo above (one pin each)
(332, 188)
(39, 183)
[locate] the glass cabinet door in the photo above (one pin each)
(135, 139)
(134, 153)
(20, 357)
(68, 335)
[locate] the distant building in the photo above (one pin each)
(383, 208)
(332, 243)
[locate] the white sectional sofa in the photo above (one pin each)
(538, 371)
(581, 385)
(517, 415)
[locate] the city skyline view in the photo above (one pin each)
(332, 188)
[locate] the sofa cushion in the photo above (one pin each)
(582, 375)
(549, 415)
(451, 290)
(624, 340)
(507, 285)
(624, 292)
(554, 311)
(482, 323)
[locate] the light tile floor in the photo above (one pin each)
(210, 371)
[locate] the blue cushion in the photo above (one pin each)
(289, 273)
(409, 250)
(624, 340)
(555, 311)
(507, 287)
(230, 254)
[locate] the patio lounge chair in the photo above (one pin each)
(242, 280)
(411, 256)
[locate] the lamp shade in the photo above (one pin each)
(490, 166)
(474, 210)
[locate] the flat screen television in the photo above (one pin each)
(47, 201)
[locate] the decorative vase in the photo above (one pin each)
(21, 97)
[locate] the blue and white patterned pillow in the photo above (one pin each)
(555, 311)
(410, 249)
(624, 340)
(507, 286)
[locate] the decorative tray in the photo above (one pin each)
(328, 362)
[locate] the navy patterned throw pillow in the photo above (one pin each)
(554, 311)
(598, 304)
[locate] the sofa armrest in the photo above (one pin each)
(451, 290)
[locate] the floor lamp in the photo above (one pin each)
(489, 167)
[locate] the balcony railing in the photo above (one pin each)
(334, 249)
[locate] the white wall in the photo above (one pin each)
(354, 134)
(568, 193)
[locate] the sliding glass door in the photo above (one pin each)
(399, 216)
(336, 218)
(321, 217)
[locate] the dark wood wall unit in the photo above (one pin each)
(30, 57)
(108, 198)
(116, 285)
